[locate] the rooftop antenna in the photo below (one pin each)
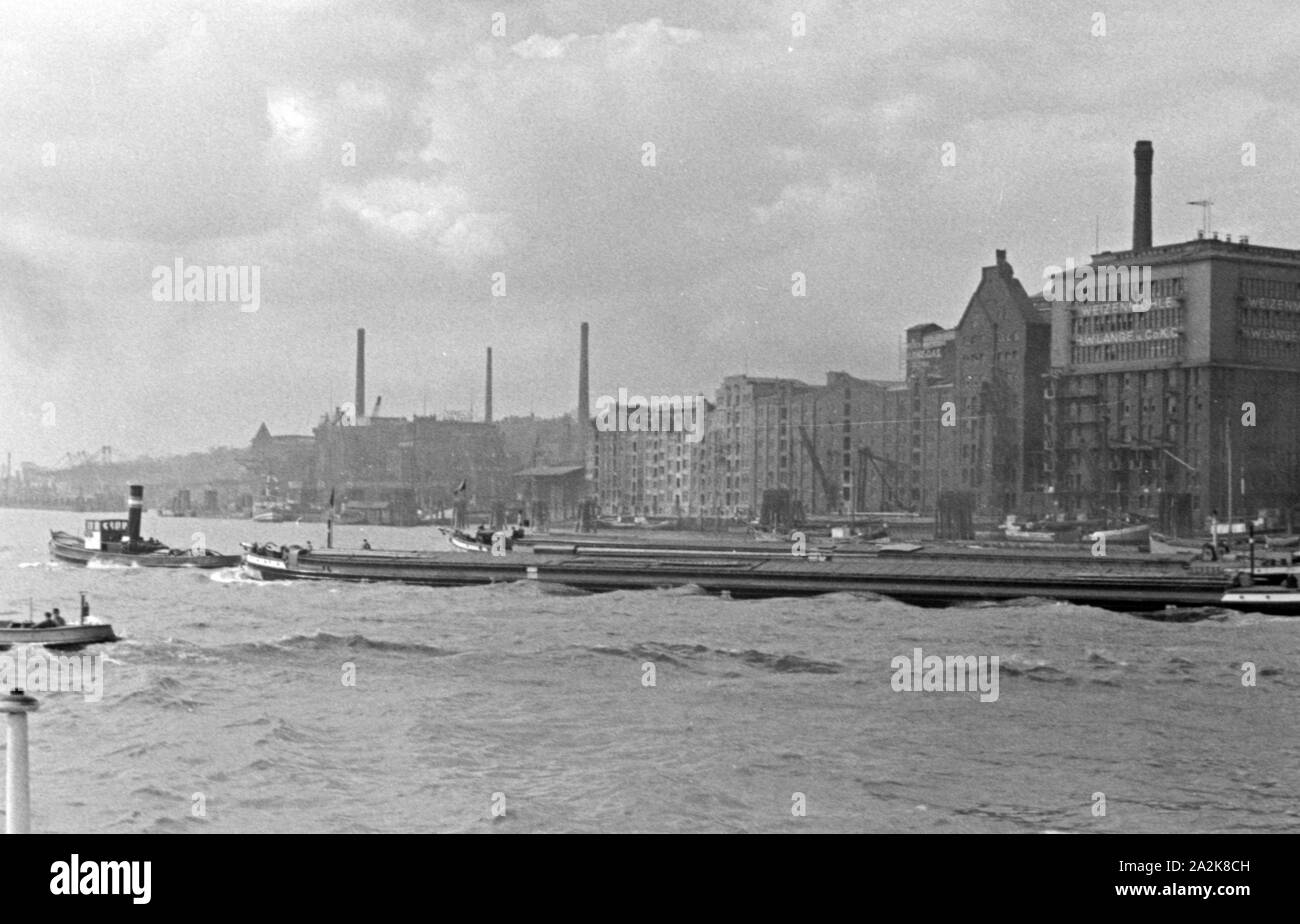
(1206, 211)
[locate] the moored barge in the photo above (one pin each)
(1111, 584)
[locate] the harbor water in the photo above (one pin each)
(233, 705)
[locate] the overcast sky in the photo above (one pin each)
(379, 162)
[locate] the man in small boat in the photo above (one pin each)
(483, 535)
(365, 544)
(46, 623)
(58, 620)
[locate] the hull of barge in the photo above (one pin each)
(929, 582)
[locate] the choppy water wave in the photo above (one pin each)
(162, 692)
(530, 589)
(325, 641)
(701, 656)
(1036, 602)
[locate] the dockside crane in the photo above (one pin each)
(828, 486)
(883, 467)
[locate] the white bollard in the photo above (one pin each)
(17, 791)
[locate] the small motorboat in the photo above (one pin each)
(1016, 532)
(620, 523)
(271, 516)
(56, 635)
(480, 541)
(1138, 534)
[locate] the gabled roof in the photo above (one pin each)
(999, 283)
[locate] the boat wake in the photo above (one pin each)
(237, 575)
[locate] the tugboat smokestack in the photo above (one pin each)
(134, 508)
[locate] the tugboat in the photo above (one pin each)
(118, 542)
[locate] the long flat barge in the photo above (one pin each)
(689, 545)
(1113, 584)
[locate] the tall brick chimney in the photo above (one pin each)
(360, 410)
(487, 401)
(1142, 157)
(584, 399)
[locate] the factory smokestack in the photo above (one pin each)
(487, 403)
(1142, 157)
(360, 403)
(134, 508)
(584, 406)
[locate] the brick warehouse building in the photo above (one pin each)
(1148, 411)
(970, 416)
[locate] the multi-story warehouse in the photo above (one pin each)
(646, 472)
(970, 416)
(922, 462)
(413, 464)
(281, 467)
(822, 444)
(819, 443)
(1187, 405)
(727, 457)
